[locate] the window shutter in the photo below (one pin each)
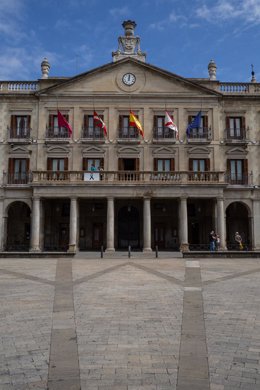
(13, 122)
(205, 122)
(207, 164)
(84, 164)
(155, 164)
(172, 164)
(49, 164)
(66, 116)
(120, 122)
(120, 164)
(66, 163)
(28, 121)
(51, 121)
(227, 122)
(85, 121)
(243, 122)
(27, 165)
(245, 171)
(101, 163)
(11, 165)
(228, 166)
(190, 117)
(137, 164)
(190, 164)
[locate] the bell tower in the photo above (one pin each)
(129, 44)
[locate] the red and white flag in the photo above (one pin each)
(168, 122)
(63, 123)
(100, 123)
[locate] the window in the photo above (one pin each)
(20, 126)
(202, 131)
(97, 163)
(57, 167)
(54, 131)
(235, 127)
(18, 170)
(163, 164)
(90, 130)
(126, 131)
(198, 167)
(160, 131)
(237, 171)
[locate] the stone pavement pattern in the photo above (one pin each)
(129, 324)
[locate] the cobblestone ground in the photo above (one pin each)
(138, 324)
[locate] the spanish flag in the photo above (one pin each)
(133, 121)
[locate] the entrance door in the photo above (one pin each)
(128, 228)
(64, 236)
(97, 238)
(159, 235)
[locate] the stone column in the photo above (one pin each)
(221, 224)
(35, 225)
(73, 225)
(147, 225)
(256, 225)
(110, 225)
(2, 224)
(183, 225)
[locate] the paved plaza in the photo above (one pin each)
(129, 324)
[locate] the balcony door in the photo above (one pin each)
(18, 170)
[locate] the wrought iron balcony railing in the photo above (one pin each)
(128, 133)
(57, 132)
(235, 134)
(92, 133)
(17, 178)
(19, 134)
(239, 179)
(161, 133)
(200, 133)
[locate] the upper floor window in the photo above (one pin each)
(237, 171)
(53, 130)
(164, 164)
(18, 172)
(90, 130)
(235, 127)
(198, 168)
(160, 131)
(93, 164)
(20, 126)
(126, 131)
(202, 131)
(57, 167)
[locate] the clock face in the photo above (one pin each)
(129, 79)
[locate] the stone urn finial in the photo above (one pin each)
(212, 68)
(45, 67)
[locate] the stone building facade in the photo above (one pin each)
(62, 192)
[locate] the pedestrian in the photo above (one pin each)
(217, 242)
(212, 241)
(239, 243)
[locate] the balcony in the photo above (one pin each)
(239, 179)
(127, 177)
(19, 136)
(235, 137)
(57, 135)
(164, 135)
(128, 135)
(20, 178)
(92, 134)
(201, 135)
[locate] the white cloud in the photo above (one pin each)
(118, 12)
(248, 11)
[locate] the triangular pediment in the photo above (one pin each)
(128, 150)
(199, 150)
(236, 151)
(163, 150)
(20, 150)
(109, 79)
(58, 150)
(92, 151)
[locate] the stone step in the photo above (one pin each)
(124, 255)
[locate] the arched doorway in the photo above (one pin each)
(128, 228)
(237, 220)
(18, 227)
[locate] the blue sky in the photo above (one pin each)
(180, 36)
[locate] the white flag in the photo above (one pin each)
(168, 122)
